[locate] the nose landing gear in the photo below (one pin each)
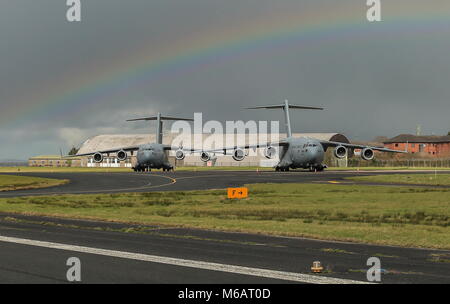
(282, 169)
(317, 168)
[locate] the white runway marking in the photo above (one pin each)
(256, 272)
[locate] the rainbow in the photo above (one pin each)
(215, 46)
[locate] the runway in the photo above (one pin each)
(229, 253)
(93, 183)
(35, 249)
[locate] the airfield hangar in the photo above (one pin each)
(105, 142)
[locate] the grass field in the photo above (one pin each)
(328, 169)
(232, 168)
(424, 179)
(387, 168)
(9, 182)
(403, 216)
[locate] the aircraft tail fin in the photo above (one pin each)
(286, 106)
(161, 118)
(159, 123)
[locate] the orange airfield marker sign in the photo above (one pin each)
(238, 192)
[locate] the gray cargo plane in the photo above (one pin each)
(298, 152)
(149, 156)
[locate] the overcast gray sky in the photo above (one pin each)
(62, 82)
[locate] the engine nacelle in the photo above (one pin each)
(180, 155)
(122, 155)
(340, 152)
(205, 156)
(98, 157)
(367, 154)
(270, 152)
(238, 154)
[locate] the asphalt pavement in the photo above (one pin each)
(93, 183)
(118, 253)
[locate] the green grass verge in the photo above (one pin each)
(411, 217)
(78, 169)
(11, 182)
(245, 168)
(424, 179)
(227, 168)
(60, 169)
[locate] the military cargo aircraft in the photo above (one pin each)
(149, 156)
(298, 152)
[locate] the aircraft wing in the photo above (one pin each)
(130, 148)
(254, 146)
(327, 144)
(167, 148)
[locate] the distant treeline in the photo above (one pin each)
(411, 163)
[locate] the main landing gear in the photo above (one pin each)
(148, 169)
(142, 169)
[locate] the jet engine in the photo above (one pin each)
(340, 152)
(238, 154)
(205, 156)
(367, 154)
(270, 152)
(98, 157)
(180, 155)
(122, 155)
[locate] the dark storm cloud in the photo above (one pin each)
(383, 79)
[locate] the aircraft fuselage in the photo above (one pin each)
(301, 152)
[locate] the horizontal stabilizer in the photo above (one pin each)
(162, 118)
(286, 106)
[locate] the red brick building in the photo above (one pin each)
(437, 146)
